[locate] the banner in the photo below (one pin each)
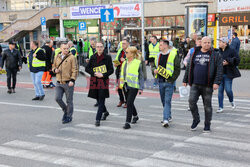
(197, 20)
(94, 12)
(233, 5)
(233, 19)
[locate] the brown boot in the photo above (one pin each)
(125, 105)
(120, 103)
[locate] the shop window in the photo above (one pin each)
(105, 1)
(180, 21)
(97, 2)
(35, 35)
(158, 22)
(148, 22)
(115, 1)
(88, 2)
(169, 21)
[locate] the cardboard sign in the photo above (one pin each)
(102, 69)
(162, 71)
(116, 62)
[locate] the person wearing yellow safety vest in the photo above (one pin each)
(121, 57)
(132, 81)
(92, 48)
(72, 49)
(167, 70)
(37, 64)
(153, 52)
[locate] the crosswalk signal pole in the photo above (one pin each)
(142, 29)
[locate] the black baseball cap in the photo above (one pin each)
(12, 43)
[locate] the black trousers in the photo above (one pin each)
(123, 95)
(131, 110)
(101, 108)
(11, 74)
(206, 93)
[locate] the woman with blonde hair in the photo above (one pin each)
(131, 79)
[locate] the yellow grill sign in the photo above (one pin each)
(162, 71)
(102, 69)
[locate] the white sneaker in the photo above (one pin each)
(233, 105)
(219, 110)
(165, 124)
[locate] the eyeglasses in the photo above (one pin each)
(99, 46)
(126, 52)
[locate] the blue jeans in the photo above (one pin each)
(166, 92)
(226, 84)
(36, 79)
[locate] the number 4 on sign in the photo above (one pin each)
(137, 7)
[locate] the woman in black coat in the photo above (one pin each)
(100, 67)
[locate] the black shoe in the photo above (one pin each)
(9, 91)
(135, 119)
(97, 123)
(194, 125)
(67, 120)
(41, 97)
(206, 129)
(105, 115)
(64, 116)
(96, 105)
(126, 126)
(36, 98)
(13, 91)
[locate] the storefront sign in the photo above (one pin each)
(197, 20)
(93, 12)
(234, 19)
(74, 23)
(233, 5)
(211, 19)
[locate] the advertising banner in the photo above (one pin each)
(197, 20)
(233, 5)
(94, 12)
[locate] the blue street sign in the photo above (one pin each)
(82, 26)
(107, 15)
(43, 21)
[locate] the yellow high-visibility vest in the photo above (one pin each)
(132, 74)
(35, 61)
(154, 50)
(75, 50)
(170, 62)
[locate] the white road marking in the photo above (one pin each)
(71, 152)
(134, 132)
(50, 107)
(48, 158)
(220, 143)
(104, 145)
(197, 159)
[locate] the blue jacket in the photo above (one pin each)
(235, 44)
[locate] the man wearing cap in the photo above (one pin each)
(230, 71)
(13, 62)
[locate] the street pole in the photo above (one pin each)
(142, 30)
(245, 37)
(217, 32)
(108, 37)
(62, 35)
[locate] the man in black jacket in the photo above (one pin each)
(204, 74)
(230, 71)
(13, 61)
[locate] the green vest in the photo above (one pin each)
(91, 52)
(170, 63)
(72, 48)
(154, 51)
(118, 53)
(35, 61)
(86, 46)
(57, 51)
(132, 74)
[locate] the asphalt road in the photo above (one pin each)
(32, 134)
